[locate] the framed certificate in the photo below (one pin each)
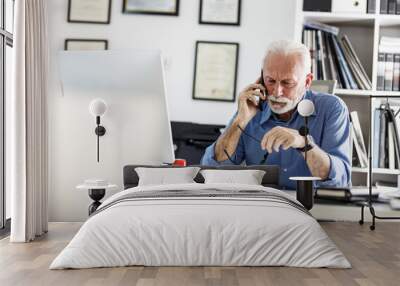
(215, 71)
(157, 7)
(89, 11)
(85, 45)
(220, 12)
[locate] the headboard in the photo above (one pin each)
(270, 179)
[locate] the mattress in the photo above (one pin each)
(201, 225)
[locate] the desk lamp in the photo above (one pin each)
(305, 192)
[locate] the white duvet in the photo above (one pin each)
(200, 231)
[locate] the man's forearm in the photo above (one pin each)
(229, 140)
(318, 162)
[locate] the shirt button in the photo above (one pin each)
(285, 170)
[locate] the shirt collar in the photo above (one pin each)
(267, 113)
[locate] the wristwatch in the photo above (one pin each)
(309, 146)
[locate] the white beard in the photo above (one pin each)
(289, 104)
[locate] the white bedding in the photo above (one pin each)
(200, 231)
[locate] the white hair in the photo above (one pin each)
(287, 47)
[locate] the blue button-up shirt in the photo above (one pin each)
(329, 126)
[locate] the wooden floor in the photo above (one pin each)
(375, 257)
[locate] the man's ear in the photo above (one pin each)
(309, 79)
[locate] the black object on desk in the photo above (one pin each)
(191, 139)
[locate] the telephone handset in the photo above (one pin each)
(261, 101)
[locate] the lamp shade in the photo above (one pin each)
(305, 107)
(97, 107)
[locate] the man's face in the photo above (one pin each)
(285, 80)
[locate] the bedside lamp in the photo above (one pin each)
(305, 190)
(97, 108)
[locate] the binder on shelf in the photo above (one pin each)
(391, 152)
(389, 63)
(322, 55)
(396, 73)
(398, 7)
(358, 140)
(380, 83)
(376, 138)
(331, 63)
(382, 140)
(391, 6)
(384, 7)
(371, 6)
(394, 142)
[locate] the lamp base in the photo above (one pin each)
(100, 130)
(305, 190)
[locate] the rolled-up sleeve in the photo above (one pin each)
(237, 157)
(336, 142)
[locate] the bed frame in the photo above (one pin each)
(270, 179)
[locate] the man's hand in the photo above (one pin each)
(247, 102)
(282, 136)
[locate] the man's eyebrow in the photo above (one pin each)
(285, 79)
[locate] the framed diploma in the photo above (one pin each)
(89, 11)
(215, 71)
(85, 45)
(220, 12)
(158, 7)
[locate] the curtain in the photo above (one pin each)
(28, 160)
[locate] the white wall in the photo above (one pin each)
(262, 21)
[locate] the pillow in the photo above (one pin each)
(162, 176)
(249, 177)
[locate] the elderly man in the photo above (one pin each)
(273, 126)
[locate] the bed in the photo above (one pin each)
(198, 224)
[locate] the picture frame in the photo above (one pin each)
(215, 71)
(85, 45)
(159, 7)
(89, 11)
(220, 12)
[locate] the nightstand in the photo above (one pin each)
(96, 193)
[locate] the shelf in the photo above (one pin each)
(386, 93)
(359, 170)
(388, 20)
(338, 17)
(357, 92)
(376, 171)
(384, 20)
(385, 171)
(360, 92)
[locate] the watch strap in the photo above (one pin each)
(308, 147)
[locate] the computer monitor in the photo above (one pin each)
(324, 86)
(132, 84)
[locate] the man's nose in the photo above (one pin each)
(277, 90)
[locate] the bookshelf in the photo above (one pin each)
(364, 31)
